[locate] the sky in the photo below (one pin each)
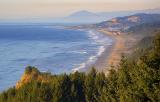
(23, 9)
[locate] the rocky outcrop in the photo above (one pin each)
(31, 73)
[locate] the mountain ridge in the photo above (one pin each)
(85, 16)
(123, 23)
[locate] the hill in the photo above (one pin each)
(124, 23)
(84, 16)
(146, 29)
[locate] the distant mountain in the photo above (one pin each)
(82, 14)
(129, 21)
(85, 17)
(90, 17)
(82, 17)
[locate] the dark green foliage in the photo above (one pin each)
(145, 29)
(31, 69)
(136, 80)
(77, 89)
(91, 90)
(145, 42)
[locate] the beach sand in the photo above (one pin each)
(122, 44)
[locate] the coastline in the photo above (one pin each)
(112, 55)
(122, 45)
(100, 63)
(96, 61)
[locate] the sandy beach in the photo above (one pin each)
(122, 44)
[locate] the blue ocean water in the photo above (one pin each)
(49, 48)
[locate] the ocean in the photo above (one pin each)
(49, 48)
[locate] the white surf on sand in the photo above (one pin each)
(103, 41)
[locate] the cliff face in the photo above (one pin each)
(24, 79)
(32, 74)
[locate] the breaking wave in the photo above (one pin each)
(102, 42)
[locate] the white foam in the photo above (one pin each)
(99, 38)
(79, 52)
(81, 66)
(102, 41)
(101, 50)
(90, 60)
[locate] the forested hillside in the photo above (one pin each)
(124, 23)
(136, 80)
(145, 29)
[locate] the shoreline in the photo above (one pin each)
(98, 60)
(100, 63)
(122, 43)
(112, 55)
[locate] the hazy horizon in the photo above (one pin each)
(29, 9)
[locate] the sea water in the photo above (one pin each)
(49, 48)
